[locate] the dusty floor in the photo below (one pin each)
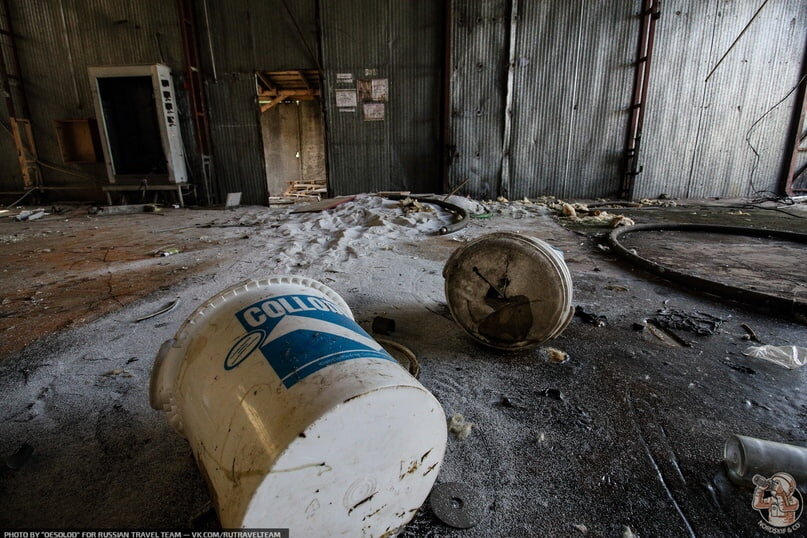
(632, 441)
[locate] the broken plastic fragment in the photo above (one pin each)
(790, 357)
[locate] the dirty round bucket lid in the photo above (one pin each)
(509, 291)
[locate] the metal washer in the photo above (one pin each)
(456, 505)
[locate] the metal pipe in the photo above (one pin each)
(210, 43)
(746, 458)
(641, 82)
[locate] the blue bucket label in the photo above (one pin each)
(300, 334)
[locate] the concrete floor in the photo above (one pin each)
(633, 442)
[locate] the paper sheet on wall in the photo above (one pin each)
(373, 111)
(346, 99)
(379, 89)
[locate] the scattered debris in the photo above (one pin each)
(589, 317)
(304, 189)
(637, 326)
(457, 505)
(658, 202)
(751, 334)
(569, 211)
(167, 252)
(580, 527)
(164, 309)
(627, 532)
(668, 332)
(459, 426)
(614, 287)
(387, 194)
(556, 356)
(662, 335)
(38, 215)
(412, 205)
(130, 209)
(117, 371)
(604, 248)
(30, 215)
(323, 205)
(506, 401)
(790, 357)
(553, 393)
(18, 459)
(699, 323)
(620, 220)
(382, 325)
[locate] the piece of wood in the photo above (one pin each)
(322, 205)
(276, 101)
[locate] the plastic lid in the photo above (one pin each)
(509, 291)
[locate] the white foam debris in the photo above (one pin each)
(459, 426)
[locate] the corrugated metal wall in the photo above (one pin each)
(479, 56)
(573, 80)
(249, 36)
(58, 39)
(694, 141)
(400, 41)
(570, 87)
(246, 35)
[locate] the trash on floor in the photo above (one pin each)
(699, 323)
(163, 310)
(509, 291)
(790, 357)
(460, 427)
(33, 214)
(412, 205)
(324, 205)
(457, 505)
(747, 458)
(750, 334)
(555, 355)
(590, 317)
(362, 416)
(167, 252)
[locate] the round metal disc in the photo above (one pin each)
(509, 291)
(456, 505)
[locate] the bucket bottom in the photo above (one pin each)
(362, 469)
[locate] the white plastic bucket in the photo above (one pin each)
(297, 418)
(509, 291)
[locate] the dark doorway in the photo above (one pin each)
(130, 115)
